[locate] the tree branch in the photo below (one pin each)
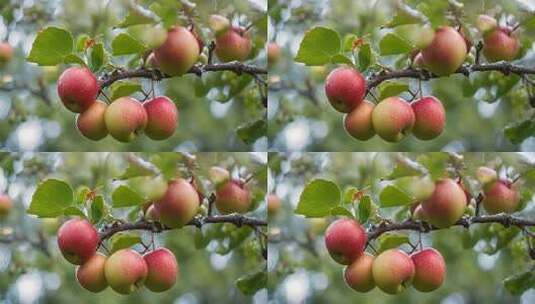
(236, 219)
(503, 67)
(424, 227)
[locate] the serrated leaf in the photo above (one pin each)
(393, 196)
(318, 198)
(392, 44)
(124, 196)
(50, 198)
(318, 46)
(50, 46)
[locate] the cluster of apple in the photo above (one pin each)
(123, 119)
(5, 205)
(441, 52)
(394, 270)
(6, 53)
(125, 270)
(157, 118)
(391, 119)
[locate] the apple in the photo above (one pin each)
(273, 53)
(393, 271)
(500, 197)
(430, 270)
(500, 44)
(6, 53)
(358, 123)
(392, 119)
(446, 53)
(162, 270)
(345, 88)
(232, 197)
(178, 53)
(447, 204)
(345, 240)
(233, 45)
(179, 205)
(78, 240)
(430, 118)
(162, 118)
(125, 118)
(91, 122)
(358, 275)
(90, 275)
(5, 205)
(273, 204)
(78, 88)
(125, 271)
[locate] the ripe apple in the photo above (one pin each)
(125, 118)
(430, 270)
(90, 275)
(273, 204)
(91, 122)
(178, 53)
(125, 271)
(5, 205)
(430, 118)
(345, 240)
(233, 45)
(162, 270)
(6, 53)
(273, 53)
(358, 275)
(500, 197)
(78, 88)
(77, 240)
(392, 119)
(446, 53)
(162, 118)
(500, 44)
(179, 205)
(345, 88)
(232, 197)
(446, 206)
(393, 271)
(358, 123)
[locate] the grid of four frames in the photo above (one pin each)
(267, 151)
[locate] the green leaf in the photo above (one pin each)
(349, 195)
(403, 16)
(392, 44)
(250, 132)
(518, 131)
(80, 42)
(50, 198)
(124, 44)
(50, 46)
(318, 198)
(74, 59)
(73, 211)
(97, 58)
(81, 194)
(518, 283)
(393, 196)
(97, 209)
(347, 45)
(251, 283)
(341, 59)
(339, 210)
(124, 240)
(318, 46)
(200, 240)
(406, 168)
(123, 196)
(124, 88)
(365, 57)
(135, 16)
(391, 88)
(391, 240)
(365, 209)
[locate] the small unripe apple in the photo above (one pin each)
(232, 197)
(125, 271)
(218, 175)
(273, 204)
(486, 176)
(446, 53)
(90, 275)
(233, 45)
(392, 119)
(179, 205)
(77, 240)
(162, 270)
(125, 118)
(358, 123)
(273, 53)
(178, 53)
(358, 275)
(162, 118)
(78, 88)
(430, 270)
(446, 206)
(345, 240)
(6, 53)
(486, 24)
(345, 88)
(91, 122)
(218, 24)
(393, 271)
(500, 44)
(500, 197)
(5, 205)
(430, 118)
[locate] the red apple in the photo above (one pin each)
(358, 123)
(77, 240)
(178, 53)
(91, 123)
(430, 118)
(345, 89)
(78, 89)
(345, 240)
(162, 115)
(162, 270)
